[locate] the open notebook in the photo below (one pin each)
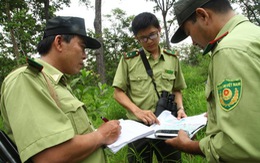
(191, 124)
(132, 130)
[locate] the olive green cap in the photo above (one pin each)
(183, 9)
(70, 25)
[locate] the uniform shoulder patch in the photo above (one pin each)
(229, 93)
(131, 54)
(34, 65)
(170, 52)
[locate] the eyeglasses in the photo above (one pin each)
(152, 36)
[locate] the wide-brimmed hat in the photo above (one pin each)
(70, 26)
(183, 9)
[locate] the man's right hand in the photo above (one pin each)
(109, 131)
(146, 116)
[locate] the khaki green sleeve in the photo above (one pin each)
(179, 83)
(121, 76)
(36, 121)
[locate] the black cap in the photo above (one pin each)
(183, 9)
(70, 25)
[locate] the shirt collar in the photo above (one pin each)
(52, 72)
(228, 27)
(149, 55)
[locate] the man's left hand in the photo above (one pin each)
(181, 114)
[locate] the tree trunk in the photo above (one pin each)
(166, 30)
(46, 10)
(165, 6)
(12, 34)
(99, 52)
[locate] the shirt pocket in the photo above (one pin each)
(138, 83)
(167, 81)
(77, 115)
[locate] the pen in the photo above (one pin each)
(104, 119)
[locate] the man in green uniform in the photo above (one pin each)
(135, 90)
(40, 113)
(232, 88)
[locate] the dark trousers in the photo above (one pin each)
(141, 151)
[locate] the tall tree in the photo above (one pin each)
(9, 25)
(118, 39)
(165, 6)
(22, 22)
(99, 52)
(251, 9)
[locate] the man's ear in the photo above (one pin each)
(58, 42)
(159, 29)
(202, 14)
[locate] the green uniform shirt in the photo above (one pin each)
(233, 95)
(132, 78)
(32, 118)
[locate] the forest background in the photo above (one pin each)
(21, 26)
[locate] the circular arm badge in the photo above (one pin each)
(229, 93)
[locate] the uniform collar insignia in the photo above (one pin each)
(131, 54)
(169, 52)
(211, 45)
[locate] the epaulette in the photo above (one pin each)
(170, 52)
(131, 54)
(211, 45)
(34, 65)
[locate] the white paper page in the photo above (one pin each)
(131, 131)
(192, 124)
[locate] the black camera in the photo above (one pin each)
(166, 102)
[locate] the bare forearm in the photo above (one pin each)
(74, 150)
(193, 148)
(124, 100)
(146, 116)
(178, 99)
(183, 143)
(80, 146)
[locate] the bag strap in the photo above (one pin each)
(39, 69)
(51, 89)
(148, 68)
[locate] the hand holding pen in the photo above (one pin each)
(104, 119)
(110, 130)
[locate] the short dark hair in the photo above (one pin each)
(218, 6)
(44, 46)
(144, 20)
